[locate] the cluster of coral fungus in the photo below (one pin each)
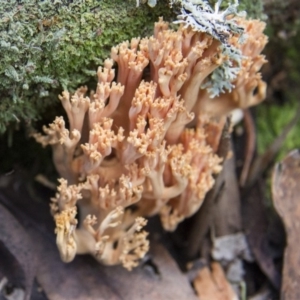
(145, 142)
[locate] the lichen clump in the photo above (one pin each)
(140, 144)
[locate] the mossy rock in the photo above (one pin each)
(47, 46)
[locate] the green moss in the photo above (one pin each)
(47, 46)
(271, 119)
(254, 8)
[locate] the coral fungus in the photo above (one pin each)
(129, 152)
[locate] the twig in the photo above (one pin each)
(250, 146)
(262, 162)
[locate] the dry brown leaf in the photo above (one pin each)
(18, 260)
(212, 284)
(286, 197)
(256, 223)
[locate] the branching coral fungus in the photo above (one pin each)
(129, 153)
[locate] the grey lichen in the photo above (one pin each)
(221, 25)
(221, 79)
(202, 17)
